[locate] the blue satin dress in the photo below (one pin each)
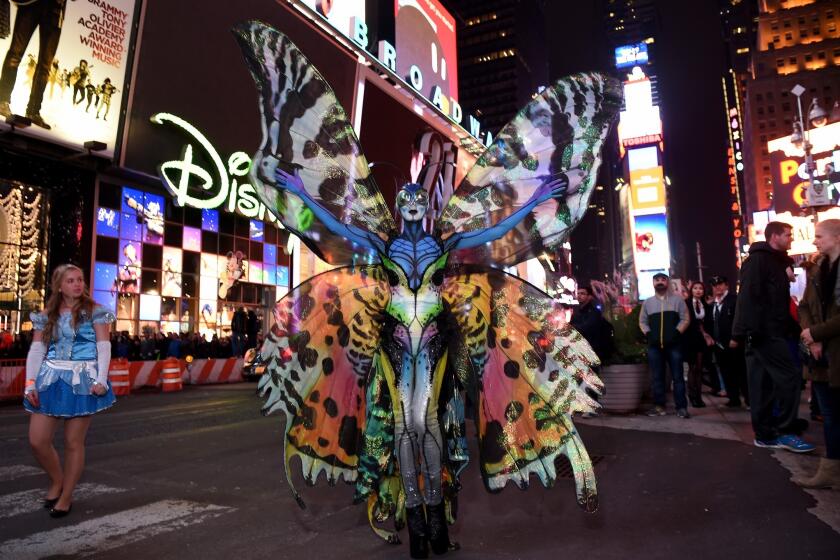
(69, 371)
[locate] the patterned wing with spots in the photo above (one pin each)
(319, 357)
(562, 129)
(304, 127)
(527, 373)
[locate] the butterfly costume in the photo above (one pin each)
(377, 363)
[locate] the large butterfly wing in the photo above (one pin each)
(319, 356)
(305, 128)
(526, 372)
(562, 129)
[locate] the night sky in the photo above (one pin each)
(690, 60)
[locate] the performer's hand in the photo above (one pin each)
(560, 185)
(709, 340)
(287, 181)
(32, 397)
(806, 337)
(816, 350)
(733, 344)
(98, 389)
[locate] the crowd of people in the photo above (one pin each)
(151, 345)
(157, 346)
(760, 348)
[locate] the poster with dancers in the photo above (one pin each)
(63, 67)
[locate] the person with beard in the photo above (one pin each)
(763, 322)
(663, 319)
(729, 353)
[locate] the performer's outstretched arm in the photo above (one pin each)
(556, 187)
(294, 185)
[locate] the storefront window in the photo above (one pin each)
(24, 212)
(176, 269)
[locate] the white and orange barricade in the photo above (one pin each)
(118, 375)
(170, 375)
(12, 378)
(214, 370)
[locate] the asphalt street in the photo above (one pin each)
(198, 474)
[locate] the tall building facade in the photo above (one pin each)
(631, 27)
(501, 57)
(739, 25)
(797, 42)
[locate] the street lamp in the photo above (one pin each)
(817, 193)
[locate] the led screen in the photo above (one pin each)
(631, 55)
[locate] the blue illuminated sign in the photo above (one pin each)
(631, 55)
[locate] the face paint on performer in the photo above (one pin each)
(412, 202)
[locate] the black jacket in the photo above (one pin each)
(763, 308)
(693, 340)
(722, 332)
(590, 323)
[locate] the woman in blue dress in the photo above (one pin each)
(66, 378)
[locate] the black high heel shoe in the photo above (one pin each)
(49, 503)
(59, 513)
(439, 530)
(418, 532)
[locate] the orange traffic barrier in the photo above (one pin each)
(170, 375)
(118, 376)
(12, 378)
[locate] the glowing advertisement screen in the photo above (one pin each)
(631, 55)
(790, 174)
(643, 158)
(338, 13)
(648, 188)
(651, 250)
(75, 85)
(425, 36)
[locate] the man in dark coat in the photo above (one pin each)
(590, 323)
(763, 322)
(729, 353)
(238, 328)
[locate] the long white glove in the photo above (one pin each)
(103, 361)
(34, 359)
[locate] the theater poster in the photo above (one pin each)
(425, 34)
(64, 67)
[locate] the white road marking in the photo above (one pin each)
(112, 531)
(18, 471)
(32, 500)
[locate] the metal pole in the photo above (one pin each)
(808, 161)
(699, 263)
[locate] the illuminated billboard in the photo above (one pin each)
(638, 95)
(651, 250)
(425, 36)
(790, 174)
(642, 158)
(631, 55)
(648, 190)
(339, 13)
(642, 126)
(640, 122)
(64, 68)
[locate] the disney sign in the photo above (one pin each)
(223, 183)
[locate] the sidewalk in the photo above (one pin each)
(717, 421)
